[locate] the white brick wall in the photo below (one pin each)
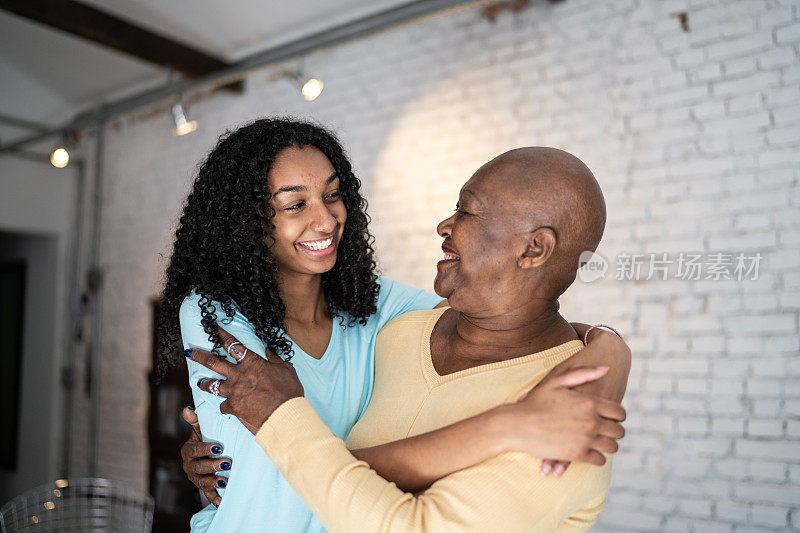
(695, 139)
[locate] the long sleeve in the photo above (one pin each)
(506, 493)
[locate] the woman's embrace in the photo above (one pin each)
(273, 256)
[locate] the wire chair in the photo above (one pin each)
(84, 504)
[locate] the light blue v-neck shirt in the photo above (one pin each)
(338, 385)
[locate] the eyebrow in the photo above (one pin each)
(474, 196)
(299, 188)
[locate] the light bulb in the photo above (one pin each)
(182, 126)
(187, 127)
(311, 89)
(59, 158)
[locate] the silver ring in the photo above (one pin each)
(213, 387)
(239, 360)
(236, 354)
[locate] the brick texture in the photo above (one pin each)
(694, 137)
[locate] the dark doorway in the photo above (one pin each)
(12, 310)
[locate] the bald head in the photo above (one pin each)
(550, 188)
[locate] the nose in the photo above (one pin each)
(445, 226)
(323, 220)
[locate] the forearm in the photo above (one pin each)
(341, 490)
(504, 493)
(413, 464)
(603, 349)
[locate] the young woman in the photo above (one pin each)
(273, 246)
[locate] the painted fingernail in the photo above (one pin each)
(221, 483)
(187, 352)
(559, 469)
(205, 325)
(190, 407)
(225, 465)
(216, 449)
(199, 382)
(546, 469)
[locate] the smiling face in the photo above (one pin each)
(309, 211)
(521, 222)
(482, 245)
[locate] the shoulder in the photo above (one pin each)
(408, 327)
(395, 298)
(415, 319)
(190, 307)
(190, 315)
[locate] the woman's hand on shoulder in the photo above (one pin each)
(554, 421)
(254, 387)
(603, 348)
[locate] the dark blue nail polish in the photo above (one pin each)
(216, 450)
(187, 352)
(190, 407)
(205, 325)
(199, 382)
(225, 465)
(221, 483)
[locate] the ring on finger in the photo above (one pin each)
(236, 354)
(239, 356)
(213, 387)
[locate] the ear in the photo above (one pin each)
(541, 244)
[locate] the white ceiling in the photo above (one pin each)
(48, 75)
(234, 29)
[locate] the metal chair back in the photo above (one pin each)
(85, 504)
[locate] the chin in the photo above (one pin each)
(323, 266)
(441, 289)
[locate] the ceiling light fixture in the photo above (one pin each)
(59, 157)
(182, 125)
(311, 88)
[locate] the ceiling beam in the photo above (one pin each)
(22, 123)
(402, 14)
(107, 30)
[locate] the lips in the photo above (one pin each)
(450, 254)
(319, 244)
(317, 247)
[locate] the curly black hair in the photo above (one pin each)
(222, 244)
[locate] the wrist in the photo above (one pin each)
(503, 425)
(257, 419)
(274, 406)
(286, 397)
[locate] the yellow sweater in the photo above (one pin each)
(506, 493)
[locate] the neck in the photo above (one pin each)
(531, 328)
(303, 297)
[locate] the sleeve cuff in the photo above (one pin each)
(294, 421)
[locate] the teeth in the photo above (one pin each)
(317, 245)
(448, 256)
